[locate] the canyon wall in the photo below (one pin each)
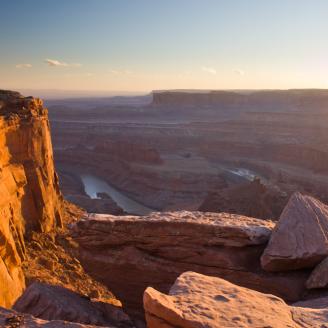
(30, 197)
(265, 99)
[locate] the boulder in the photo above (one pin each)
(300, 238)
(198, 301)
(130, 253)
(319, 276)
(50, 302)
(13, 319)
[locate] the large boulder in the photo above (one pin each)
(57, 303)
(198, 301)
(13, 319)
(130, 253)
(300, 238)
(319, 276)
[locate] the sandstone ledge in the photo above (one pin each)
(217, 229)
(131, 253)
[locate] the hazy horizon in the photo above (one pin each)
(52, 94)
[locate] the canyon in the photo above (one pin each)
(194, 227)
(197, 150)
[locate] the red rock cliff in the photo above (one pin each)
(29, 194)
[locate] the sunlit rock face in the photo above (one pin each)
(29, 194)
(196, 300)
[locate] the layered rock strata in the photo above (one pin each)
(130, 253)
(30, 197)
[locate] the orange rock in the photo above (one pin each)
(29, 193)
(198, 301)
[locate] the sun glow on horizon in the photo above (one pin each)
(139, 48)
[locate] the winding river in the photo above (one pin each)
(94, 185)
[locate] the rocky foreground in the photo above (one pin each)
(130, 253)
(196, 300)
(171, 269)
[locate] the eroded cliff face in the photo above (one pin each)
(29, 194)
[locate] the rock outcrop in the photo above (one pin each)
(99, 205)
(50, 259)
(57, 303)
(30, 197)
(251, 198)
(13, 319)
(198, 301)
(319, 276)
(130, 253)
(299, 239)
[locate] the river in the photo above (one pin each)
(244, 173)
(94, 185)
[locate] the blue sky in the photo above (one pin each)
(140, 45)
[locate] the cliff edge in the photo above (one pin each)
(30, 196)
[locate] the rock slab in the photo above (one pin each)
(50, 302)
(13, 319)
(198, 301)
(130, 253)
(300, 238)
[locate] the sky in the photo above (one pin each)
(144, 45)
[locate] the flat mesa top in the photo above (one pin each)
(7, 94)
(204, 218)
